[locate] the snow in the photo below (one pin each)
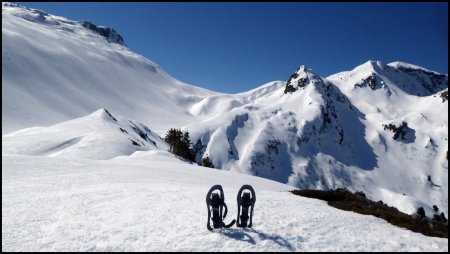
(75, 71)
(82, 120)
(403, 167)
(154, 202)
(100, 135)
(398, 64)
(305, 154)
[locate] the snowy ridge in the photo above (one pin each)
(99, 135)
(38, 16)
(395, 79)
(399, 65)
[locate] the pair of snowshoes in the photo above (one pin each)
(215, 202)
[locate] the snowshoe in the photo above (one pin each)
(244, 202)
(215, 202)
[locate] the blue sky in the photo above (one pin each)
(235, 47)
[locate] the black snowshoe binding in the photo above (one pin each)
(244, 202)
(215, 202)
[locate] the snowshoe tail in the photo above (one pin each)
(245, 200)
(215, 203)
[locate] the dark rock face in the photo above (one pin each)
(370, 81)
(11, 4)
(436, 82)
(134, 143)
(289, 89)
(302, 82)
(109, 33)
(112, 117)
(292, 85)
(274, 162)
(142, 132)
(399, 132)
(444, 96)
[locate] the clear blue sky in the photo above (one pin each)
(235, 47)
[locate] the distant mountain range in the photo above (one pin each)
(379, 128)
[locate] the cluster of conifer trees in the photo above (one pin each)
(180, 144)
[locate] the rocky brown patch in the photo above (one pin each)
(357, 202)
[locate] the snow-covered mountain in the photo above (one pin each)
(55, 69)
(379, 128)
(382, 129)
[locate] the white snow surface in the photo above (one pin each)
(99, 135)
(61, 70)
(58, 77)
(151, 201)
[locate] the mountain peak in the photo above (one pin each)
(371, 66)
(302, 77)
(102, 113)
(301, 69)
(374, 63)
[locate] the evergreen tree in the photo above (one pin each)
(435, 208)
(206, 162)
(421, 212)
(179, 143)
(187, 152)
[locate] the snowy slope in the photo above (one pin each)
(218, 104)
(100, 135)
(308, 132)
(403, 93)
(56, 69)
(318, 133)
(153, 202)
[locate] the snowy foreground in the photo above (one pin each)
(150, 201)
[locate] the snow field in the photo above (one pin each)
(156, 203)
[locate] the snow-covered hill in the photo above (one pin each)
(151, 201)
(379, 128)
(100, 135)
